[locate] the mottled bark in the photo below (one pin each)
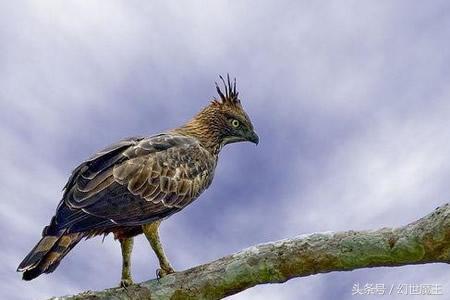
(424, 241)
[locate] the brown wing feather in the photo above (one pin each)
(149, 180)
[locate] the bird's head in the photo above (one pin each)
(224, 120)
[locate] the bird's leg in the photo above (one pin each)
(151, 232)
(127, 246)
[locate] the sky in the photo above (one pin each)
(351, 100)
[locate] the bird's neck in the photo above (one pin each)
(209, 140)
(206, 131)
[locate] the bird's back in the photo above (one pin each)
(136, 181)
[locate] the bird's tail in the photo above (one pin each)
(47, 254)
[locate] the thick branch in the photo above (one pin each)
(424, 241)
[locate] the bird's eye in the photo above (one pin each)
(235, 123)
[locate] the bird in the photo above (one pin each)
(130, 187)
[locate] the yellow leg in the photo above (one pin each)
(151, 232)
(127, 247)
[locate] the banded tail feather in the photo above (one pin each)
(47, 254)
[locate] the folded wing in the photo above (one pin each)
(134, 182)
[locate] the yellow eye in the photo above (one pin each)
(235, 123)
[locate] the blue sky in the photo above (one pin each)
(351, 100)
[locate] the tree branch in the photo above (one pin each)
(424, 241)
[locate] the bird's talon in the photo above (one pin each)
(160, 273)
(124, 283)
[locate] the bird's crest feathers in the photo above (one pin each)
(230, 95)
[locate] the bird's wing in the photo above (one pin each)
(135, 182)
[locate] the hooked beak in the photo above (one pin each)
(250, 137)
(253, 137)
